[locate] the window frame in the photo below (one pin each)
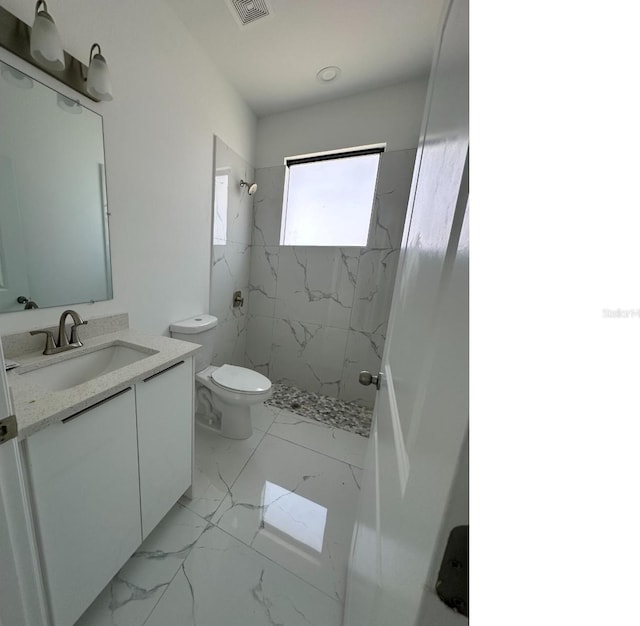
(331, 155)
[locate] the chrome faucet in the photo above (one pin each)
(64, 342)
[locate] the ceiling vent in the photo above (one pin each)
(248, 11)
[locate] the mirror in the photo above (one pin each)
(54, 231)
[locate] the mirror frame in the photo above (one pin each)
(106, 214)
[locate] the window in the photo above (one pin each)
(329, 197)
(220, 205)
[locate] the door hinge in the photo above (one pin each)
(453, 579)
(8, 428)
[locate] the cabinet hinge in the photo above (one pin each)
(8, 428)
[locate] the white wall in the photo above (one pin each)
(392, 114)
(169, 101)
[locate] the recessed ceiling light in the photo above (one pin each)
(327, 74)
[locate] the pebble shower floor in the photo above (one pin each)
(345, 415)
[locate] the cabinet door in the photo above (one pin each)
(85, 494)
(164, 404)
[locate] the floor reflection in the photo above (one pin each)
(292, 515)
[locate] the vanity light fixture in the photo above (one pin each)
(45, 44)
(40, 45)
(98, 78)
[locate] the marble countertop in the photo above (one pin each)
(36, 407)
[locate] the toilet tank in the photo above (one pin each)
(199, 329)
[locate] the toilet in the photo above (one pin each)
(224, 394)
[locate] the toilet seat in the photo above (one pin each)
(239, 380)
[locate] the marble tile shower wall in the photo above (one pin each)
(318, 315)
(232, 234)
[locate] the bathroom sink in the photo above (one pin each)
(85, 367)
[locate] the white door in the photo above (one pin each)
(21, 593)
(411, 493)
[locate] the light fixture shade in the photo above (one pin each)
(98, 79)
(45, 45)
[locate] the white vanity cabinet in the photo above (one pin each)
(165, 416)
(86, 501)
(103, 478)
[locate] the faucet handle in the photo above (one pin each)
(74, 332)
(50, 345)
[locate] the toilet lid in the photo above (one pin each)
(240, 379)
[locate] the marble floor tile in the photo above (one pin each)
(265, 540)
(320, 437)
(227, 584)
(263, 415)
(218, 463)
(131, 595)
(296, 507)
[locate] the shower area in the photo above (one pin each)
(312, 317)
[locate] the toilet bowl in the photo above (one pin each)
(226, 393)
(235, 390)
